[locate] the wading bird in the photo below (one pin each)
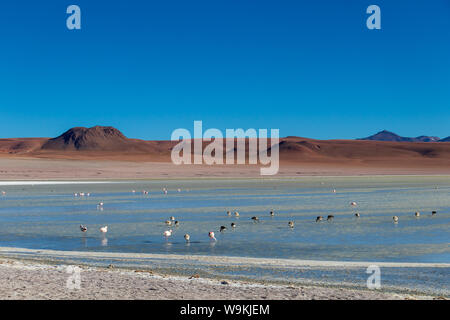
(330, 217)
(291, 224)
(395, 218)
(187, 237)
(222, 228)
(83, 228)
(212, 236)
(167, 233)
(319, 218)
(104, 229)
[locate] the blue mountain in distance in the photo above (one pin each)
(390, 136)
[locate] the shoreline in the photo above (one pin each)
(61, 181)
(91, 169)
(48, 266)
(226, 260)
(26, 280)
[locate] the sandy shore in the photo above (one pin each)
(31, 280)
(59, 169)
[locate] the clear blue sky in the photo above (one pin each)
(309, 68)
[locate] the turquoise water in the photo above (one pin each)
(47, 216)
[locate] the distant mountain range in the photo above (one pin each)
(390, 136)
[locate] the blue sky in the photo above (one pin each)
(309, 68)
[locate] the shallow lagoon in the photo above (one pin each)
(47, 216)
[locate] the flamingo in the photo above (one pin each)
(233, 225)
(433, 213)
(272, 213)
(222, 228)
(187, 237)
(83, 228)
(172, 218)
(255, 219)
(75, 194)
(100, 204)
(3, 193)
(104, 229)
(236, 214)
(228, 213)
(291, 224)
(395, 218)
(417, 214)
(211, 236)
(319, 218)
(167, 233)
(177, 224)
(357, 215)
(334, 190)
(330, 217)
(353, 204)
(168, 222)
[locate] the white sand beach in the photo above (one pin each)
(30, 280)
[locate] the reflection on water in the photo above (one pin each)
(33, 216)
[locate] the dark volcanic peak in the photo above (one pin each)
(390, 136)
(96, 138)
(384, 136)
(445, 139)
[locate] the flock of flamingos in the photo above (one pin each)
(171, 221)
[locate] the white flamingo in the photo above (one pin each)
(167, 233)
(104, 229)
(83, 228)
(212, 236)
(187, 237)
(395, 218)
(353, 204)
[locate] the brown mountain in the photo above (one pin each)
(91, 139)
(108, 143)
